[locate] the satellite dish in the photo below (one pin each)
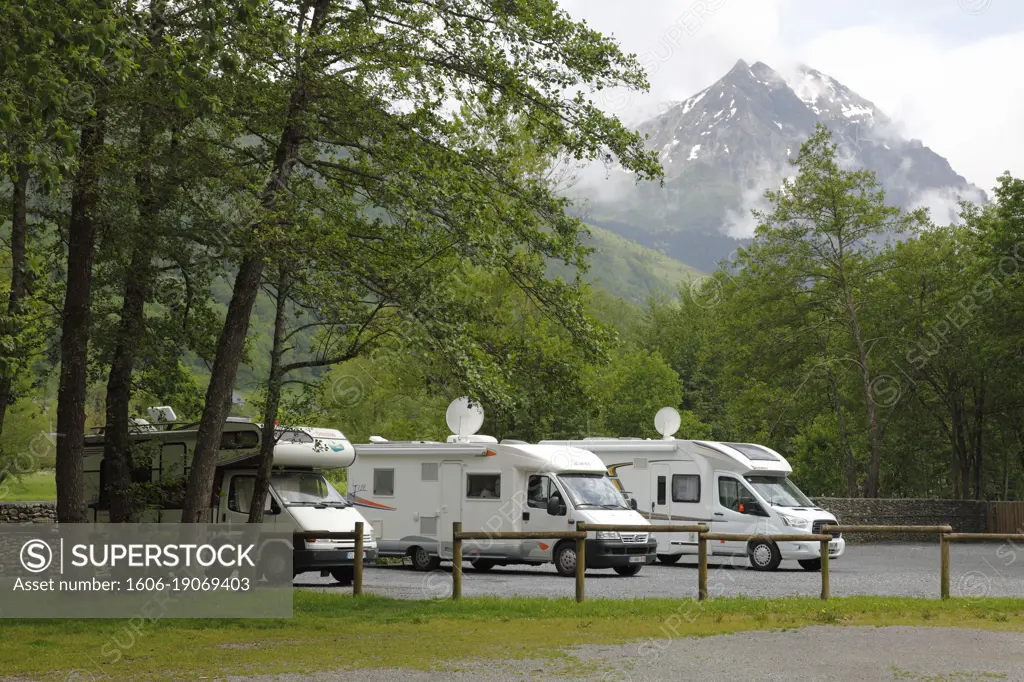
(464, 419)
(667, 422)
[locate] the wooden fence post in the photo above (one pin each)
(581, 566)
(943, 566)
(456, 561)
(702, 567)
(357, 567)
(825, 586)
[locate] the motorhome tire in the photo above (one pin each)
(275, 565)
(343, 575)
(628, 570)
(764, 555)
(565, 559)
(810, 564)
(422, 561)
(482, 565)
(669, 558)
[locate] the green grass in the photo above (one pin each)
(39, 485)
(332, 632)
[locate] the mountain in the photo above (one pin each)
(724, 146)
(628, 270)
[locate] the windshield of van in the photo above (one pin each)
(306, 488)
(592, 490)
(779, 491)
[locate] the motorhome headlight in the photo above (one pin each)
(793, 521)
(607, 535)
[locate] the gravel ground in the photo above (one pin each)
(981, 570)
(843, 653)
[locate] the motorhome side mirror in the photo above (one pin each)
(632, 504)
(275, 508)
(554, 505)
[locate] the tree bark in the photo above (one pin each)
(74, 341)
(270, 410)
(875, 466)
(19, 286)
(851, 467)
(236, 323)
(979, 441)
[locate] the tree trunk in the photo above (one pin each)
(236, 324)
(19, 287)
(74, 341)
(851, 466)
(979, 440)
(116, 442)
(261, 490)
(137, 285)
(875, 467)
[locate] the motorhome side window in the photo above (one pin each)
(239, 440)
(538, 490)
(483, 486)
(661, 490)
(384, 482)
(685, 488)
(731, 494)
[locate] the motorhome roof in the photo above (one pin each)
(532, 457)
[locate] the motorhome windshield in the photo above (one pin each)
(306, 488)
(779, 491)
(592, 490)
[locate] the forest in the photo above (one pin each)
(351, 212)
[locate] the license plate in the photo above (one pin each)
(833, 547)
(350, 555)
(637, 559)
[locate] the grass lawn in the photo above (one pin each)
(39, 485)
(331, 632)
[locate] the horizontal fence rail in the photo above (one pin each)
(942, 531)
(823, 537)
(357, 552)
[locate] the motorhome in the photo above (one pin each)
(413, 492)
(300, 499)
(733, 487)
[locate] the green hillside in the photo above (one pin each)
(628, 270)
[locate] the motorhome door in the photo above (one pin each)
(235, 505)
(539, 489)
(450, 504)
(661, 505)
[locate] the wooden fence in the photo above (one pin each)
(1006, 517)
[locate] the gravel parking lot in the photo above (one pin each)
(906, 570)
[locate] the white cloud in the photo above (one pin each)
(943, 75)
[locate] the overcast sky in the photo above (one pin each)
(947, 71)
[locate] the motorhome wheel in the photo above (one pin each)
(482, 564)
(764, 555)
(630, 570)
(422, 561)
(275, 564)
(565, 559)
(343, 575)
(669, 558)
(810, 564)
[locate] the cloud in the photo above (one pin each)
(943, 74)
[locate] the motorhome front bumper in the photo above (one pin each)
(316, 559)
(612, 553)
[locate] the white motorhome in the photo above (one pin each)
(412, 493)
(300, 498)
(733, 487)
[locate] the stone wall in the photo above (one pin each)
(965, 516)
(25, 512)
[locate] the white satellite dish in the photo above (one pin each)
(464, 419)
(667, 422)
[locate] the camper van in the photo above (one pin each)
(300, 498)
(412, 493)
(733, 487)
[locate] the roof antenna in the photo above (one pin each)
(464, 419)
(667, 422)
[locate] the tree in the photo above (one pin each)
(413, 183)
(821, 235)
